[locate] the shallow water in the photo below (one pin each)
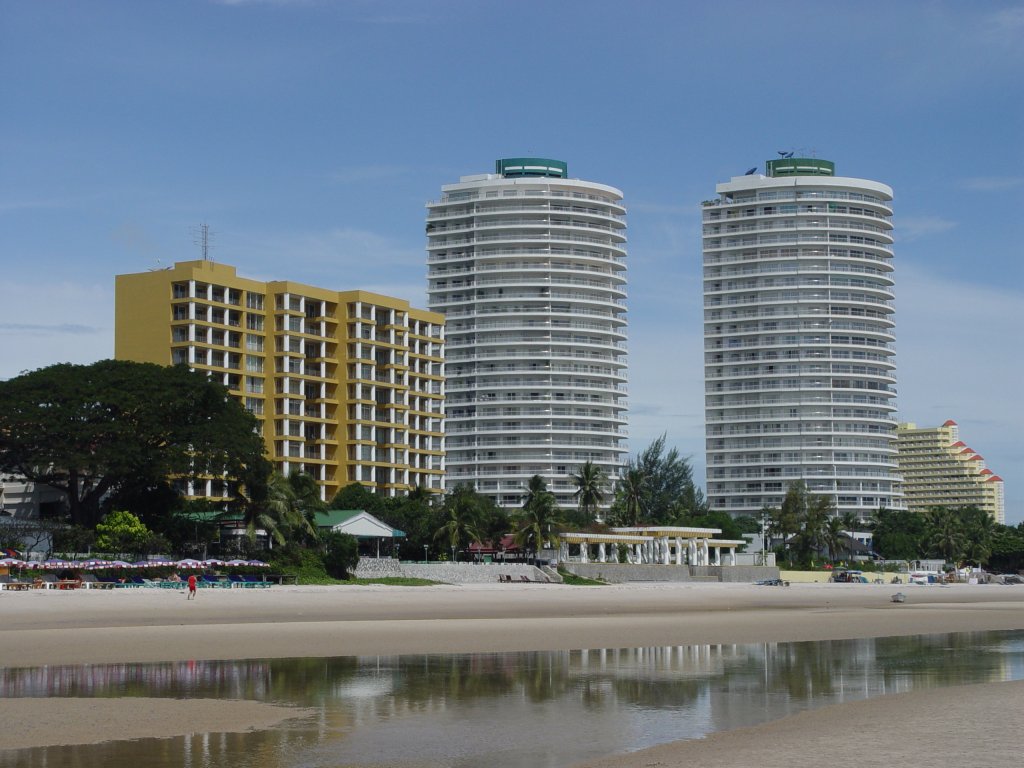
(540, 709)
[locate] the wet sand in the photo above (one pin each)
(53, 627)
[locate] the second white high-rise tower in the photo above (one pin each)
(798, 339)
(528, 267)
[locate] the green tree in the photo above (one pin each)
(1007, 554)
(463, 513)
(668, 481)
(730, 527)
(273, 507)
(417, 514)
(979, 528)
(540, 520)
(307, 504)
(812, 538)
(630, 497)
(121, 532)
(747, 524)
(899, 534)
(341, 554)
(358, 496)
(591, 482)
(835, 539)
(784, 521)
(946, 537)
(93, 430)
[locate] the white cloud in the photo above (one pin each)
(46, 329)
(263, 2)
(339, 259)
(361, 174)
(1006, 21)
(956, 360)
(915, 227)
(993, 183)
(45, 323)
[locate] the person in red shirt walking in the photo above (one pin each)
(191, 586)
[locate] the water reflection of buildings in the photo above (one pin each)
(231, 680)
(386, 710)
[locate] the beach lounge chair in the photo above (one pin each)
(46, 581)
(13, 584)
(252, 580)
(209, 580)
(91, 581)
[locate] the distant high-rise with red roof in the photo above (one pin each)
(941, 470)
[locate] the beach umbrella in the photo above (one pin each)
(189, 562)
(257, 564)
(12, 562)
(213, 563)
(92, 564)
(119, 564)
(237, 563)
(56, 564)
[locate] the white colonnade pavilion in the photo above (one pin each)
(650, 545)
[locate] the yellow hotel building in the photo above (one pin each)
(940, 470)
(347, 386)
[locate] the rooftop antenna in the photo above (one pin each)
(202, 236)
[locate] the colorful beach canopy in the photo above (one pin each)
(97, 564)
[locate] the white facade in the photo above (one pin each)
(799, 339)
(529, 269)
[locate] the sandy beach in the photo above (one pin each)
(53, 627)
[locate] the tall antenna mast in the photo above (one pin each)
(203, 237)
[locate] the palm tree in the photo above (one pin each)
(590, 482)
(270, 508)
(631, 492)
(979, 528)
(462, 518)
(946, 537)
(541, 519)
(307, 504)
(835, 539)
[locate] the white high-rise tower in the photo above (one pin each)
(528, 266)
(798, 339)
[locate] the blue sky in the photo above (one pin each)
(309, 134)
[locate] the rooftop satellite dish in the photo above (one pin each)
(748, 173)
(788, 154)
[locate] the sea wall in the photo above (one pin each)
(448, 573)
(618, 573)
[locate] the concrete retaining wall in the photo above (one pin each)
(470, 573)
(618, 573)
(377, 567)
(736, 574)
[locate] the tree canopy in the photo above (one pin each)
(656, 488)
(94, 430)
(540, 521)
